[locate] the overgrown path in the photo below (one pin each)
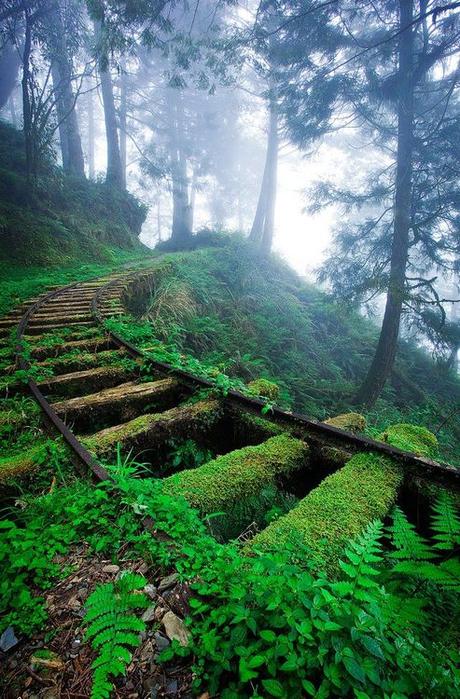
(98, 397)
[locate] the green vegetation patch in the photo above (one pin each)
(23, 462)
(239, 474)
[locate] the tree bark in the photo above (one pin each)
(181, 223)
(383, 360)
(61, 70)
(26, 103)
(123, 108)
(114, 175)
(91, 149)
(10, 61)
(263, 224)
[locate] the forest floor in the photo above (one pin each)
(56, 662)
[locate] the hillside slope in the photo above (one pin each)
(255, 317)
(60, 219)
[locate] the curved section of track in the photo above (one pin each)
(85, 306)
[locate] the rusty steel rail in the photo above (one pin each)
(324, 435)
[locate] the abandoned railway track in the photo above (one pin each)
(98, 399)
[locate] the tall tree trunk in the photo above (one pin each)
(181, 229)
(61, 69)
(159, 218)
(123, 96)
(13, 113)
(10, 61)
(386, 348)
(26, 102)
(269, 222)
(263, 224)
(61, 114)
(91, 139)
(114, 175)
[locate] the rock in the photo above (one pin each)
(159, 613)
(171, 687)
(110, 568)
(161, 641)
(175, 628)
(169, 581)
(149, 614)
(8, 639)
(150, 591)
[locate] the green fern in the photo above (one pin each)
(363, 554)
(408, 543)
(414, 552)
(445, 574)
(114, 628)
(446, 522)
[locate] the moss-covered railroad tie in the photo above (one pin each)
(346, 501)
(239, 474)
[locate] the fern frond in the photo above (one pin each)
(445, 574)
(403, 613)
(114, 628)
(446, 522)
(408, 543)
(363, 554)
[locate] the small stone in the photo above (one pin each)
(159, 613)
(161, 641)
(168, 581)
(149, 614)
(171, 687)
(110, 568)
(8, 639)
(150, 591)
(175, 628)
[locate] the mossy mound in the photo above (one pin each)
(239, 474)
(23, 462)
(146, 431)
(264, 388)
(350, 422)
(412, 438)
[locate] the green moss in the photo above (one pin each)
(24, 462)
(239, 474)
(337, 510)
(351, 422)
(264, 388)
(248, 425)
(412, 438)
(343, 504)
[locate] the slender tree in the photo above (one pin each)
(10, 61)
(114, 174)
(383, 360)
(264, 220)
(61, 70)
